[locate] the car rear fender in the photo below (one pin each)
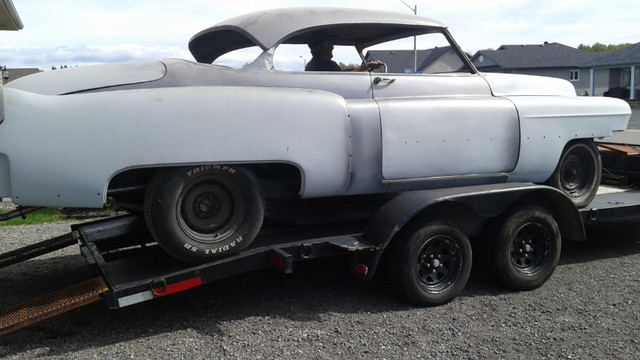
(79, 142)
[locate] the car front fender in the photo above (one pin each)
(548, 123)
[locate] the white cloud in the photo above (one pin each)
(74, 32)
(79, 55)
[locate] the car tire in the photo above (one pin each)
(578, 172)
(430, 263)
(202, 213)
(524, 248)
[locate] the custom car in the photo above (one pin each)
(200, 147)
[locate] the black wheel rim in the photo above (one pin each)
(530, 248)
(210, 211)
(576, 172)
(438, 264)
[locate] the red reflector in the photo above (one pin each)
(361, 269)
(177, 287)
(277, 262)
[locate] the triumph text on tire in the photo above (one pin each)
(202, 213)
(430, 263)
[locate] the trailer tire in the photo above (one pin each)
(202, 213)
(525, 248)
(430, 263)
(578, 172)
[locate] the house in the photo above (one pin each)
(548, 59)
(428, 61)
(16, 73)
(9, 19)
(623, 67)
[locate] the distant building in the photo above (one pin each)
(18, 73)
(9, 19)
(399, 61)
(595, 74)
(548, 59)
(623, 67)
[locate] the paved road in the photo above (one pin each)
(632, 135)
(634, 122)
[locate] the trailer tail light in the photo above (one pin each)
(361, 269)
(282, 260)
(277, 262)
(160, 288)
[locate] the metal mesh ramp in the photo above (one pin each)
(51, 305)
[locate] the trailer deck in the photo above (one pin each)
(132, 268)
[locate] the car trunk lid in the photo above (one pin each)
(78, 79)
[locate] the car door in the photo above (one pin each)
(448, 125)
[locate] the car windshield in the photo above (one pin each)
(434, 55)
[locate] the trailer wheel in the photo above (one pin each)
(201, 213)
(430, 263)
(578, 172)
(526, 248)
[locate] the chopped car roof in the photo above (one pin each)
(268, 28)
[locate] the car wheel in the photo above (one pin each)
(430, 263)
(524, 248)
(202, 213)
(578, 172)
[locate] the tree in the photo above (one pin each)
(599, 47)
(346, 67)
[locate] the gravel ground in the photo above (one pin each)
(587, 310)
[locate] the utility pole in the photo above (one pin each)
(415, 50)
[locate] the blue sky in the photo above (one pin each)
(82, 32)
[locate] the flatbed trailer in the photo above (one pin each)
(432, 269)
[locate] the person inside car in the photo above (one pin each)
(322, 52)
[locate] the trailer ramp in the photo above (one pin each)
(51, 305)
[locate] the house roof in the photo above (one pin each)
(9, 19)
(16, 73)
(399, 60)
(624, 57)
(545, 55)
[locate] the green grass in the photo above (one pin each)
(46, 215)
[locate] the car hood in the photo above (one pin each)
(514, 85)
(78, 79)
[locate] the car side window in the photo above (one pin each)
(238, 59)
(294, 57)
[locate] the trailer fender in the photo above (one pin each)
(468, 207)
